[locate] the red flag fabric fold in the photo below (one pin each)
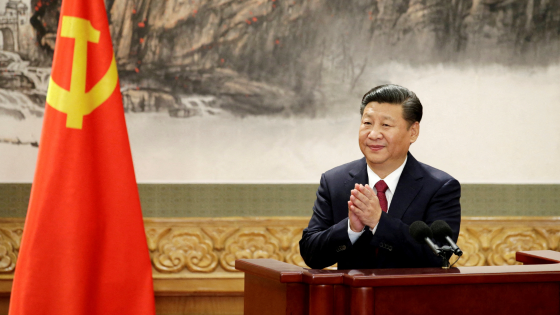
(83, 248)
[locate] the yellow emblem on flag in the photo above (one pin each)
(76, 103)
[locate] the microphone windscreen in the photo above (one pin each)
(419, 230)
(441, 229)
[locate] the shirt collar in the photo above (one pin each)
(391, 180)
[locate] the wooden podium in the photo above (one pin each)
(273, 287)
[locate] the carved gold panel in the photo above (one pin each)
(10, 238)
(250, 244)
(184, 248)
(472, 250)
(208, 247)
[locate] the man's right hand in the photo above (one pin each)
(355, 224)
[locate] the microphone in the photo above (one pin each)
(421, 233)
(442, 232)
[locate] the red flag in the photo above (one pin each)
(83, 248)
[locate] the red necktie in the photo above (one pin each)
(381, 187)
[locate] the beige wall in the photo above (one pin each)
(496, 125)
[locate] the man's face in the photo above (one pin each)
(385, 137)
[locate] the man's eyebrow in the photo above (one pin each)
(382, 117)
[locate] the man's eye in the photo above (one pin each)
(386, 125)
(367, 123)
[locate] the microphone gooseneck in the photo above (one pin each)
(442, 232)
(423, 234)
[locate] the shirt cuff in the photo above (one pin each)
(373, 229)
(353, 235)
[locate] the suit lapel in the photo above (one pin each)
(358, 175)
(410, 183)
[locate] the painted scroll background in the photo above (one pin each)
(269, 91)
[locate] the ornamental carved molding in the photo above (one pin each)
(286, 235)
(487, 242)
(178, 249)
(9, 245)
(250, 244)
(472, 250)
(294, 256)
(208, 247)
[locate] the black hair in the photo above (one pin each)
(398, 95)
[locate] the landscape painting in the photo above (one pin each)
(268, 91)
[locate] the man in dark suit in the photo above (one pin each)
(364, 208)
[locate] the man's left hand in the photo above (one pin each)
(366, 205)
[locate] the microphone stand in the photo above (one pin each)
(445, 252)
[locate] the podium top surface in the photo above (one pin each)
(539, 266)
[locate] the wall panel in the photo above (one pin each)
(193, 258)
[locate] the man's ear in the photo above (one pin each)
(414, 131)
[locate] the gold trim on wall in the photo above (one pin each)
(198, 254)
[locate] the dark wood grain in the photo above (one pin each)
(270, 268)
(321, 299)
(469, 299)
(273, 287)
(317, 276)
(462, 275)
(267, 296)
(362, 301)
(538, 257)
(342, 296)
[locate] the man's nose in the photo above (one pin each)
(375, 133)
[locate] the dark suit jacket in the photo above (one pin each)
(423, 193)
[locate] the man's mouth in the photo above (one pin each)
(376, 147)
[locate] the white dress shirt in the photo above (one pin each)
(391, 180)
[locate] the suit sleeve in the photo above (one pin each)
(324, 240)
(393, 235)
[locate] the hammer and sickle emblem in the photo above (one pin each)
(76, 103)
